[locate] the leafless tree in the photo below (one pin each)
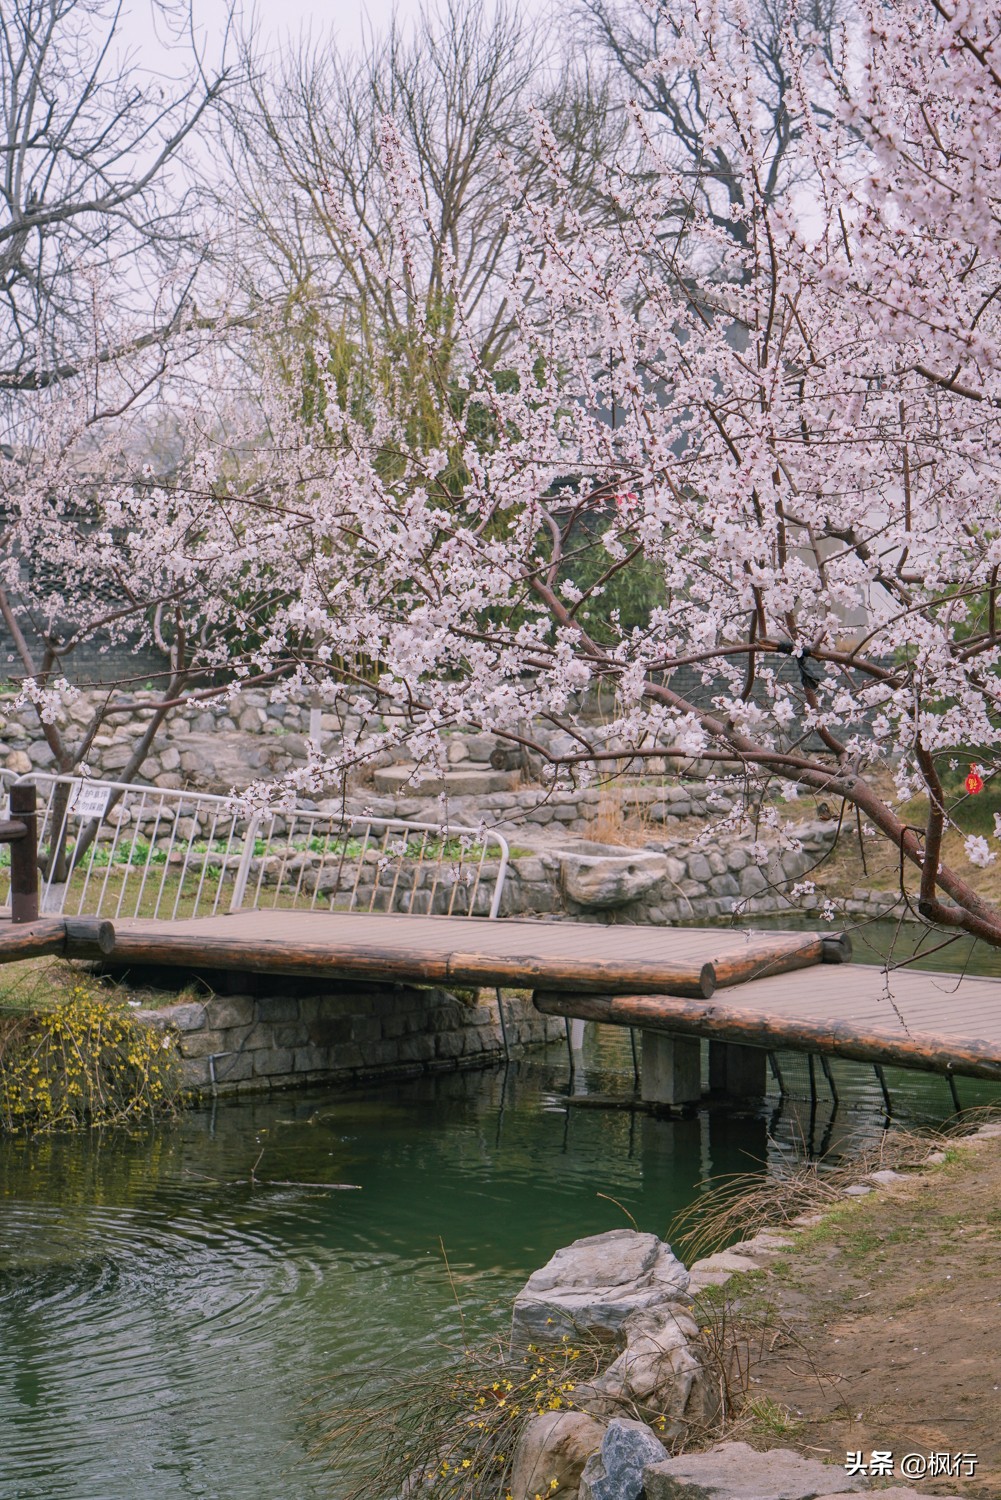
(634, 35)
(99, 258)
(308, 145)
(91, 191)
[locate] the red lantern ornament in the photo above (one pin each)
(974, 782)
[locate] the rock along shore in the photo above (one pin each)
(658, 1390)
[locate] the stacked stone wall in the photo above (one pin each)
(214, 747)
(225, 745)
(687, 882)
(309, 1034)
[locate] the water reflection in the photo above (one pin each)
(164, 1318)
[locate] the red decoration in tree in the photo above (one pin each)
(974, 782)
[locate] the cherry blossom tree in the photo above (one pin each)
(788, 433)
(102, 250)
(630, 35)
(795, 428)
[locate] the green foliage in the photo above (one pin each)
(971, 813)
(140, 852)
(630, 594)
(330, 367)
(767, 1418)
(87, 1061)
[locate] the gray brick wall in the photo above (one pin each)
(355, 1032)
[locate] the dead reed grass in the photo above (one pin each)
(739, 1205)
(623, 822)
(448, 1432)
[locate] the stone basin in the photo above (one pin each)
(600, 876)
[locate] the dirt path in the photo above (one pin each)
(882, 1328)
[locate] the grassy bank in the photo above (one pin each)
(879, 1330)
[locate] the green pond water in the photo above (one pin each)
(167, 1325)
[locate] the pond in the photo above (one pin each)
(166, 1321)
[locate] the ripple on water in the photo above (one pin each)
(163, 1325)
(165, 1304)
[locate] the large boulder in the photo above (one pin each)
(735, 1471)
(594, 1285)
(554, 1445)
(597, 882)
(616, 1471)
(657, 1374)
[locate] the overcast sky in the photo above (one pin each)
(276, 20)
(279, 18)
(144, 35)
(344, 18)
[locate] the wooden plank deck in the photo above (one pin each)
(939, 1023)
(470, 951)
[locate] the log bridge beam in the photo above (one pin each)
(935, 1023)
(58, 937)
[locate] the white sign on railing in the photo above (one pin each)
(88, 800)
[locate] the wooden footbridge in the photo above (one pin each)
(572, 957)
(749, 993)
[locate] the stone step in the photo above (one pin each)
(735, 1471)
(467, 780)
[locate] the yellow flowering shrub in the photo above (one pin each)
(85, 1061)
(451, 1433)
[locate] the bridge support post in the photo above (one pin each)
(671, 1068)
(739, 1071)
(21, 832)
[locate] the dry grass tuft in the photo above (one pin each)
(622, 821)
(449, 1432)
(738, 1206)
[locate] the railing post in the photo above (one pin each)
(495, 904)
(24, 855)
(243, 868)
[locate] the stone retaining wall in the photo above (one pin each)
(666, 883)
(310, 1034)
(676, 882)
(217, 747)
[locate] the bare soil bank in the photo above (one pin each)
(881, 1330)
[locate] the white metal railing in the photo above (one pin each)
(117, 849)
(311, 859)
